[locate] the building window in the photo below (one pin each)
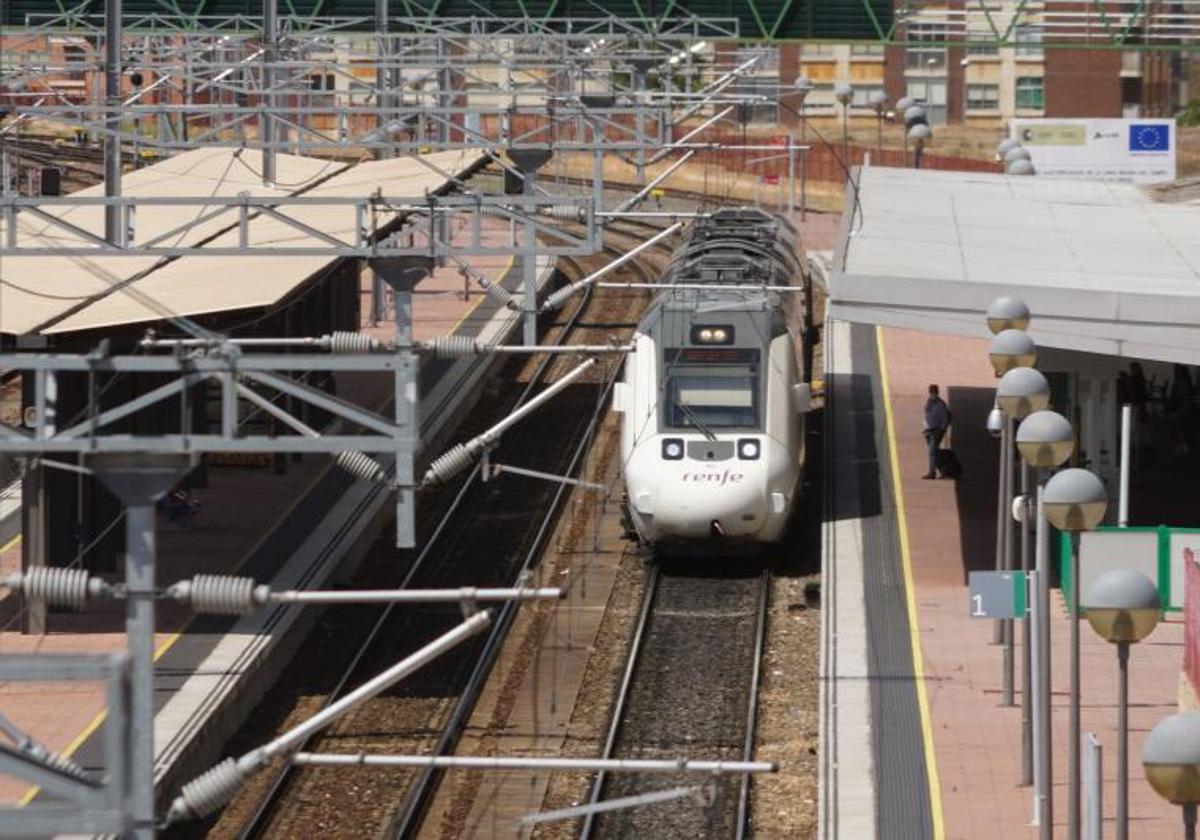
(862, 95)
(924, 50)
(322, 81)
(986, 43)
(1028, 38)
(983, 97)
(812, 51)
(875, 50)
(927, 91)
(1031, 93)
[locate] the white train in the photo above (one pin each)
(713, 426)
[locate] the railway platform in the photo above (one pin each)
(296, 529)
(933, 677)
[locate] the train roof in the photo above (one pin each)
(737, 246)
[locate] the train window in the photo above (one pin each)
(713, 399)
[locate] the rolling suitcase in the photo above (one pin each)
(948, 463)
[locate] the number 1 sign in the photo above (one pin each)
(997, 595)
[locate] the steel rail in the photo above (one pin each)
(762, 602)
(760, 637)
(257, 823)
(623, 692)
(408, 821)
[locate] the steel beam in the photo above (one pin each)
(139, 481)
(113, 105)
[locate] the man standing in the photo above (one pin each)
(937, 421)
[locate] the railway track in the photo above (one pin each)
(690, 688)
(481, 533)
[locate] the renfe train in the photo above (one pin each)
(713, 425)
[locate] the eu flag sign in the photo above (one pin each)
(1149, 137)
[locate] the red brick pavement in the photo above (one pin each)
(951, 528)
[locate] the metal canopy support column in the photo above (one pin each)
(641, 69)
(34, 521)
(266, 124)
(384, 83)
(112, 104)
(139, 480)
(402, 274)
(528, 162)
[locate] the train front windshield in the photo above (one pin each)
(712, 396)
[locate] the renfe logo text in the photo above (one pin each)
(718, 478)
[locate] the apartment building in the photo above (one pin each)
(985, 83)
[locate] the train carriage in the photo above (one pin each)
(712, 398)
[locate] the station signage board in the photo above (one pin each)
(997, 595)
(1131, 150)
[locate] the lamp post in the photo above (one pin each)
(1016, 153)
(1020, 392)
(1044, 440)
(1171, 759)
(902, 106)
(878, 101)
(1020, 166)
(1009, 349)
(915, 115)
(1007, 313)
(1015, 159)
(1075, 501)
(1002, 149)
(1004, 313)
(804, 87)
(844, 93)
(1123, 608)
(919, 134)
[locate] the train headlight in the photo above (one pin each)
(748, 449)
(713, 334)
(672, 449)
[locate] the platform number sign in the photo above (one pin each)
(997, 595)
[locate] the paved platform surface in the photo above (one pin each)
(950, 530)
(240, 507)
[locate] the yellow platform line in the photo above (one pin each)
(10, 543)
(910, 598)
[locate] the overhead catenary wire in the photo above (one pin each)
(212, 789)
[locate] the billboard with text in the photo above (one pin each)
(1138, 151)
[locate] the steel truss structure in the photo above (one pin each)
(279, 86)
(1098, 24)
(519, 90)
(426, 234)
(92, 805)
(1139, 25)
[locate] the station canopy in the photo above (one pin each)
(57, 294)
(1104, 268)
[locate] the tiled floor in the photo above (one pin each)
(951, 528)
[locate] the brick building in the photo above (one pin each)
(983, 83)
